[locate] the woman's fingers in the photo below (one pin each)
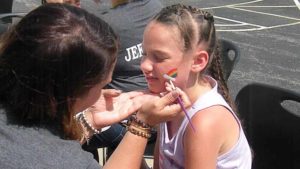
(170, 104)
(160, 109)
(168, 99)
(185, 99)
(168, 87)
(163, 109)
(142, 99)
(109, 95)
(111, 92)
(117, 108)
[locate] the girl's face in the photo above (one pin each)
(164, 50)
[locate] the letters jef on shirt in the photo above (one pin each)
(134, 52)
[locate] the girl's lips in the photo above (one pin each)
(151, 79)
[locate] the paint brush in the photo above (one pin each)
(171, 75)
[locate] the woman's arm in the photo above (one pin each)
(128, 154)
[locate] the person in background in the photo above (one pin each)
(183, 39)
(128, 19)
(53, 68)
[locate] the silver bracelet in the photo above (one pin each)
(80, 117)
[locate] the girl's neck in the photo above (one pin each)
(200, 87)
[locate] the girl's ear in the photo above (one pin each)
(200, 61)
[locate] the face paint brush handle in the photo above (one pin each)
(186, 113)
(182, 107)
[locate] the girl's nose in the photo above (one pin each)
(146, 65)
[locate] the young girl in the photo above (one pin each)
(184, 38)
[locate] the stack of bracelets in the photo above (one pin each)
(133, 125)
(138, 127)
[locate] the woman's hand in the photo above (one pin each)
(163, 109)
(114, 106)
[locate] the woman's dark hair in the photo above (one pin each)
(195, 23)
(54, 55)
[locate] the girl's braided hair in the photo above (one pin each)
(185, 18)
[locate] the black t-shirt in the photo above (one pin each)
(129, 21)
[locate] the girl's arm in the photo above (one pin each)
(216, 132)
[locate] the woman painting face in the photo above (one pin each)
(163, 51)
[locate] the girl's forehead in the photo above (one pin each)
(159, 34)
(155, 25)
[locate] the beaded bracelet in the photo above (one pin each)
(138, 131)
(141, 123)
(138, 127)
(88, 129)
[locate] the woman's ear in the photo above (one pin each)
(200, 61)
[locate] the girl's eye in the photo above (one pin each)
(159, 58)
(154, 57)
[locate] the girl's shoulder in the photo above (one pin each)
(217, 123)
(216, 116)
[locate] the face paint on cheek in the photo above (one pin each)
(171, 75)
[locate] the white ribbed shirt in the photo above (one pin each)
(171, 150)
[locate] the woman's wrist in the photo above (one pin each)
(90, 118)
(85, 120)
(138, 127)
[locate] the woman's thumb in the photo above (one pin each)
(169, 98)
(111, 92)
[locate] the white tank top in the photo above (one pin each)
(171, 150)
